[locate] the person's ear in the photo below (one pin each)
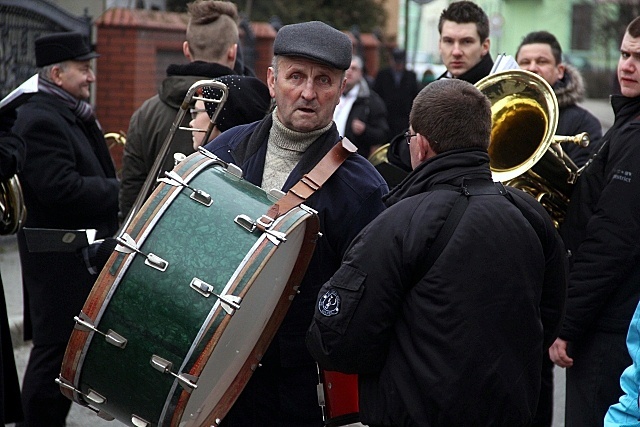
(186, 52)
(56, 70)
(561, 70)
(232, 54)
(271, 82)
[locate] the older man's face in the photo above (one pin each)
(629, 66)
(75, 77)
(306, 92)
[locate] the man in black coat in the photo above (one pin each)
(445, 323)
(69, 182)
(361, 115)
(397, 86)
(602, 231)
(540, 53)
(464, 50)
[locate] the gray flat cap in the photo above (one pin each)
(317, 41)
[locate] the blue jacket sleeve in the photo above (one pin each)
(626, 413)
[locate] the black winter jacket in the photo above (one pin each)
(458, 344)
(68, 182)
(602, 230)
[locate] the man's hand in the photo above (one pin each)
(558, 354)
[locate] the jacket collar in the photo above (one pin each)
(252, 149)
(446, 168)
(570, 89)
(477, 73)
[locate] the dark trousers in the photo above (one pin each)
(42, 401)
(544, 413)
(593, 382)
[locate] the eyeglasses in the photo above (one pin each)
(195, 111)
(408, 136)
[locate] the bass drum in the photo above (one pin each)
(186, 306)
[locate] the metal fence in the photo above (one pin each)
(21, 23)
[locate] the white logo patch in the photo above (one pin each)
(329, 303)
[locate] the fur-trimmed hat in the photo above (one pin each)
(59, 47)
(317, 41)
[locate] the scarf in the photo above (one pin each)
(80, 108)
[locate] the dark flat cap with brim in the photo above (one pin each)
(60, 47)
(317, 41)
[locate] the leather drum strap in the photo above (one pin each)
(309, 183)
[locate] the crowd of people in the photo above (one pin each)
(451, 296)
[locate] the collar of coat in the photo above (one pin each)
(199, 68)
(256, 141)
(445, 168)
(570, 89)
(477, 73)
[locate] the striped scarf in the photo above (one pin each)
(81, 109)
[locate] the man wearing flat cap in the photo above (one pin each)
(306, 79)
(68, 182)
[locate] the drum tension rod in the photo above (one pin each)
(176, 180)
(83, 323)
(230, 303)
(128, 245)
(188, 382)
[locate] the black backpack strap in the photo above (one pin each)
(470, 187)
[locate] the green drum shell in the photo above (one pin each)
(158, 313)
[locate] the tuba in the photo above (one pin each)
(524, 151)
(13, 212)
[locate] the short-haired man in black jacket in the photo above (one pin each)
(445, 322)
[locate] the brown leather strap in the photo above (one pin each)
(309, 183)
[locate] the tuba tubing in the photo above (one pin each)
(524, 151)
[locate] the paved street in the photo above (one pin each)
(82, 417)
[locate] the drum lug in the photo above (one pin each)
(245, 222)
(230, 303)
(139, 422)
(188, 382)
(263, 223)
(198, 195)
(83, 323)
(127, 245)
(229, 167)
(234, 170)
(275, 194)
(92, 396)
(104, 415)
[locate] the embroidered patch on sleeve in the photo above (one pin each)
(329, 303)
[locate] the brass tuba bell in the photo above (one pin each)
(524, 151)
(13, 212)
